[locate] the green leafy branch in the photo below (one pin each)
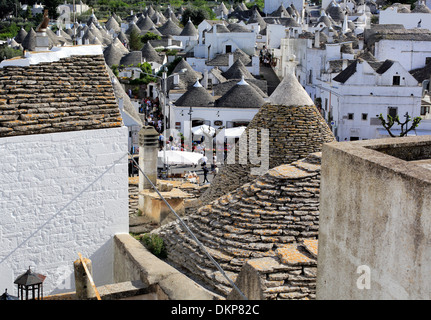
(391, 121)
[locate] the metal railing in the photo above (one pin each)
(201, 246)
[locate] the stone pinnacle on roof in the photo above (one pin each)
(290, 93)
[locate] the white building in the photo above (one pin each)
(354, 98)
(419, 17)
(215, 38)
(63, 171)
(411, 47)
(197, 106)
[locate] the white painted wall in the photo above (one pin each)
(408, 20)
(60, 194)
(411, 54)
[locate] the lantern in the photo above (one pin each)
(30, 281)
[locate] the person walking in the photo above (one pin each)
(205, 174)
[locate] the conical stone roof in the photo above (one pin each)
(21, 35)
(133, 27)
(237, 71)
(150, 54)
(188, 78)
(112, 24)
(297, 94)
(145, 23)
(295, 130)
(113, 54)
(241, 95)
(195, 96)
(29, 42)
(189, 30)
(261, 219)
(170, 28)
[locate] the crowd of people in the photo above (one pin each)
(265, 57)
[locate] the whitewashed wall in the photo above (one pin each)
(61, 194)
(411, 54)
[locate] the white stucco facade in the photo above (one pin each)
(409, 20)
(352, 107)
(62, 193)
(411, 54)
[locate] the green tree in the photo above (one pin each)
(7, 52)
(135, 40)
(396, 120)
(150, 36)
(8, 7)
(196, 15)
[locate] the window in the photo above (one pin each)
(354, 138)
(350, 116)
(425, 110)
(396, 80)
(228, 48)
(392, 111)
(365, 116)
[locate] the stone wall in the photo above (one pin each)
(278, 208)
(134, 262)
(294, 132)
(375, 221)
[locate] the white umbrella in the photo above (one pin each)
(179, 157)
(203, 130)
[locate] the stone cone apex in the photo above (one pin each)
(294, 131)
(290, 93)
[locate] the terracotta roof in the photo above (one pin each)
(71, 94)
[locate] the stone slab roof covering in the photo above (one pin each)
(291, 275)
(265, 218)
(223, 59)
(73, 93)
(295, 131)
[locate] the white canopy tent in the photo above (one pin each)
(229, 133)
(203, 130)
(174, 157)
